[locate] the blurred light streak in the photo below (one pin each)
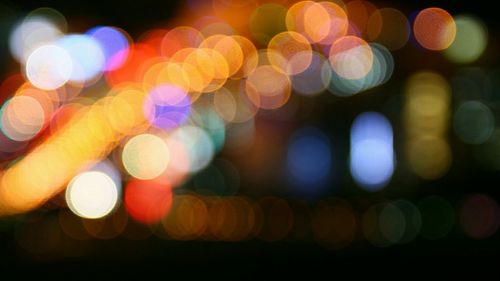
(30, 182)
(372, 156)
(427, 117)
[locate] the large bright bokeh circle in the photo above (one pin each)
(49, 67)
(92, 195)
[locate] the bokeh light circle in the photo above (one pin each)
(325, 22)
(114, 45)
(87, 57)
(470, 41)
(351, 57)
(434, 29)
(293, 52)
(372, 157)
(22, 118)
(145, 156)
(49, 67)
(147, 201)
(268, 87)
(167, 106)
(92, 195)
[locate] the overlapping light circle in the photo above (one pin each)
(49, 67)
(145, 156)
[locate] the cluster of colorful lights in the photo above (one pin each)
(93, 111)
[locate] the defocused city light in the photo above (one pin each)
(216, 125)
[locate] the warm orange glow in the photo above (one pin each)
(30, 181)
(290, 52)
(268, 88)
(249, 57)
(130, 70)
(351, 57)
(434, 29)
(325, 22)
(179, 38)
(295, 17)
(360, 12)
(229, 48)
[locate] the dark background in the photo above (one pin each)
(454, 254)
